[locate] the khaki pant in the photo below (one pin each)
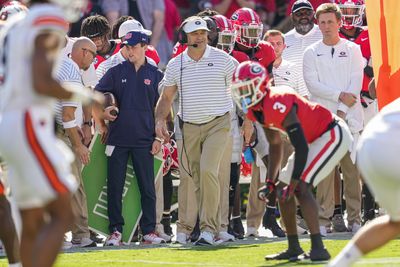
(224, 176)
(255, 208)
(205, 145)
(351, 191)
(187, 202)
(159, 202)
(80, 228)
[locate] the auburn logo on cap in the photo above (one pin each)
(197, 22)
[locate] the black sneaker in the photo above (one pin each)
(320, 254)
(236, 235)
(194, 236)
(96, 238)
(285, 255)
(269, 222)
(368, 216)
(237, 227)
(166, 222)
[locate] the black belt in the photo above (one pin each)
(199, 124)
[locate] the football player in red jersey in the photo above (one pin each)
(225, 40)
(249, 29)
(97, 29)
(352, 29)
(320, 140)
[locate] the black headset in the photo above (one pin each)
(182, 36)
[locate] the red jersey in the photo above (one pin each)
(152, 53)
(100, 58)
(362, 39)
(264, 53)
(277, 103)
(178, 49)
(239, 56)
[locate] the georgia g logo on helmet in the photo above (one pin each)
(234, 16)
(255, 69)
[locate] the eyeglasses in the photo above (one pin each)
(94, 54)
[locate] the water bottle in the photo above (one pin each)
(248, 155)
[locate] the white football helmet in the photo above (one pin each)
(11, 8)
(73, 9)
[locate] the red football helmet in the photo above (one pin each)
(249, 84)
(170, 156)
(226, 33)
(352, 12)
(248, 26)
(11, 8)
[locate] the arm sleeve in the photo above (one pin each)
(170, 75)
(310, 73)
(356, 75)
(298, 140)
(160, 79)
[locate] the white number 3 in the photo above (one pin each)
(279, 106)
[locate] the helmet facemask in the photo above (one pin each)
(352, 15)
(248, 93)
(250, 35)
(226, 40)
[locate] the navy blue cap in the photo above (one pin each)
(134, 37)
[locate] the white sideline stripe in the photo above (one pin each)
(156, 262)
(359, 263)
(378, 260)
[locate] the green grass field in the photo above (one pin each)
(241, 253)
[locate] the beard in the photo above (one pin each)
(304, 28)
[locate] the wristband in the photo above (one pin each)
(159, 139)
(88, 123)
(69, 124)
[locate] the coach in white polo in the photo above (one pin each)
(202, 75)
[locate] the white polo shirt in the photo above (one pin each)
(296, 44)
(288, 74)
(69, 73)
(204, 86)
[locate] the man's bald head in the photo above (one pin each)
(83, 52)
